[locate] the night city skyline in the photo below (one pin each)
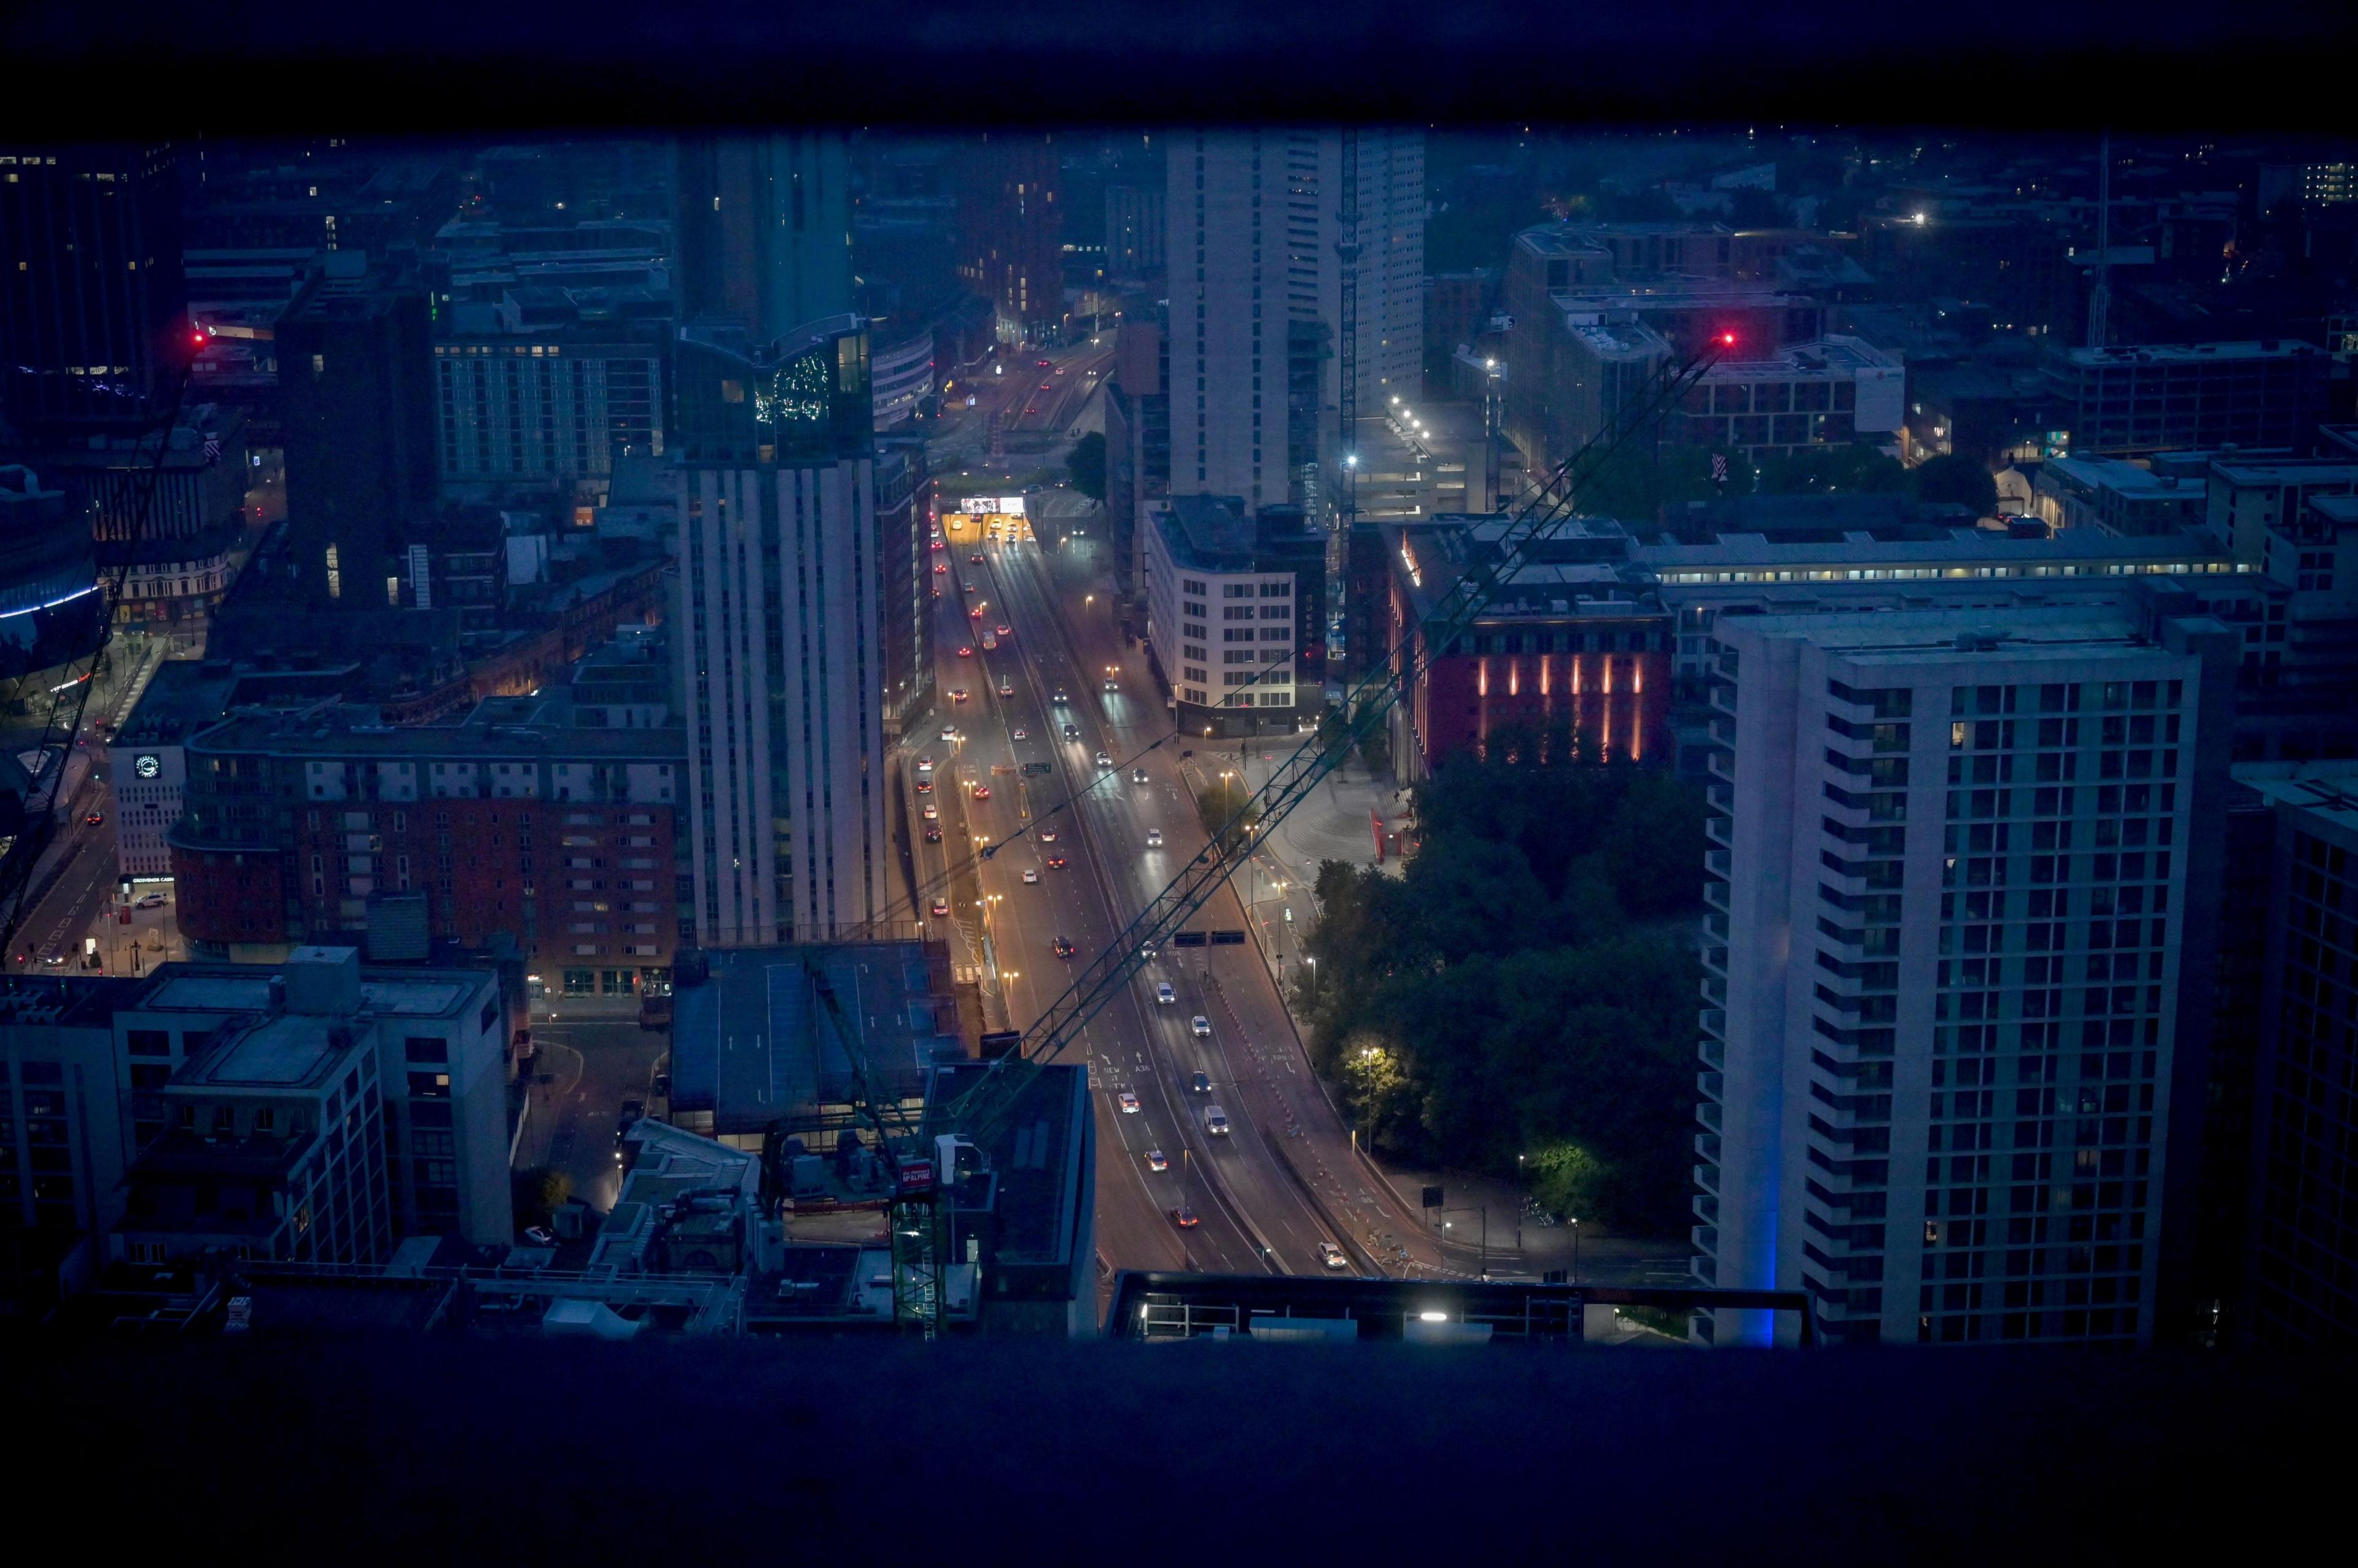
(1208, 684)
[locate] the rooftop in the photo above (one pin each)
(752, 1043)
(1965, 549)
(290, 1049)
(1939, 635)
(2187, 354)
(2326, 790)
(1213, 534)
(245, 988)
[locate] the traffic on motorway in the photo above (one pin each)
(1071, 777)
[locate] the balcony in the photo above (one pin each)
(1707, 1178)
(1706, 1237)
(1715, 893)
(1719, 830)
(1722, 698)
(1716, 925)
(1714, 989)
(1707, 1112)
(1706, 1207)
(1706, 1268)
(1720, 797)
(1714, 959)
(1707, 1145)
(1716, 861)
(1714, 1023)
(1710, 1084)
(1720, 764)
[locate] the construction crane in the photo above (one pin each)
(926, 1157)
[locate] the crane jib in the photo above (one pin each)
(984, 1107)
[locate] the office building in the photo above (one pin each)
(779, 634)
(1957, 964)
(521, 822)
(2131, 402)
(1569, 644)
(1596, 310)
(1255, 286)
(1236, 614)
(1137, 228)
(904, 373)
(2117, 496)
(545, 408)
(1829, 391)
(313, 1110)
(93, 313)
(2300, 1288)
(761, 228)
(356, 392)
(2252, 499)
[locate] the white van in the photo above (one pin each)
(1216, 1121)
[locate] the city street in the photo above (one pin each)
(1286, 1177)
(592, 1064)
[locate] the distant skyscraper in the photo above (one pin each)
(1957, 965)
(1255, 286)
(90, 295)
(764, 232)
(356, 383)
(780, 642)
(1011, 230)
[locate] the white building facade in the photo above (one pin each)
(780, 661)
(1253, 222)
(1948, 937)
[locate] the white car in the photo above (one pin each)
(1154, 838)
(1164, 995)
(1030, 877)
(949, 731)
(1200, 1027)
(1104, 761)
(1332, 1256)
(1021, 734)
(1128, 1103)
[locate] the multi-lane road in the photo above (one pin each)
(1283, 1179)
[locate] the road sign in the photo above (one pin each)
(1227, 939)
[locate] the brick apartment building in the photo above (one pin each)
(323, 826)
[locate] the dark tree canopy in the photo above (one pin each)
(1960, 478)
(1086, 462)
(1527, 986)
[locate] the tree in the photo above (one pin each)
(1086, 462)
(1218, 806)
(1958, 478)
(1852, 469)
(538, 1191)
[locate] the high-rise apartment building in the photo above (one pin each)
(92, 302)
(779, 633)
(2303, 1228)
(1011, 230)
(1256, 288)
(547, 409)
(356, 385)
(762, 230)
(1957, 963)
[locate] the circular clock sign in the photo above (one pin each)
(147, 767)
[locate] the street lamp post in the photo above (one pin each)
(1484, 1210)
(1574, 1220)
